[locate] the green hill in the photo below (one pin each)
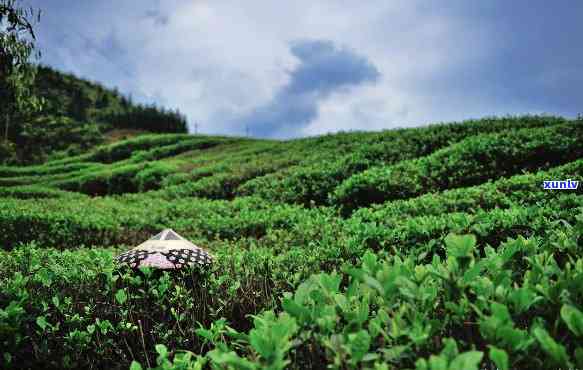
(427, 248)
(77, 115)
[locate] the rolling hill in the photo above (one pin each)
(424, 248)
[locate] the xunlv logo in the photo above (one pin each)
(560, 185)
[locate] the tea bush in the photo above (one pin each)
(393, 309)
(521, 190)
(466, 262)
(470, 162)
(315, 182)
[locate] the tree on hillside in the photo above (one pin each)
(16, 72)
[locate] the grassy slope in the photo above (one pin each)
(275, 213)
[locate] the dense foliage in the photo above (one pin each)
(76, 116)
(17, 74)
(430, 248)
(85, 101)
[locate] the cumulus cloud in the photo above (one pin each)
(324, 68)
(372, 65)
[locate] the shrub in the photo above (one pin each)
(153, 174)
(470, 162)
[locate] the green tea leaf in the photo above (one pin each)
(467, 361)
(555, 350)
(460, 245)
(162, 350)
(121, 297)
(41, 321)
(359, 344)
(499, 357)
(135, 366)
(438, 362)
(573, 318)
(295, 309)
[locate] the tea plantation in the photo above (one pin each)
(431, 248)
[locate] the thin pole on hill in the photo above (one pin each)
(196, 128)
(247, 130)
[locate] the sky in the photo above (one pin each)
(302, 68)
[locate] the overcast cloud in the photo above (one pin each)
(304, 67)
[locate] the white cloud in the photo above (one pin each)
(218, 59)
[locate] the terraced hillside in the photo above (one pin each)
(428, 248)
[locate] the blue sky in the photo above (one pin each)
(291, 69)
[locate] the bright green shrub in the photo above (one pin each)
(459, 308)
(221, 181)
(116, 180)
(470, 275)
(315, 182)
(6, 171)
(522, 190)
(172, 150)
(470, 162)
(130, 220)
(490, 226)
(151, 176)
(124, 149)
(36, 192)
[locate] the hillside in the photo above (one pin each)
(426, 248)
(77, 115)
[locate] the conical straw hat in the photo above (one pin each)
(166, 250)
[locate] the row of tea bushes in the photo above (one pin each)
(313, 182)
(523, 297)
(36, 192)
(318, 165)
(43, 170)
(524, 189)
(106, 153)
(115, 156)
(120, 179)
(515, 307)
(490, 226)
(221, 181)
(124, 149)
(71, 220)
(472, 161)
